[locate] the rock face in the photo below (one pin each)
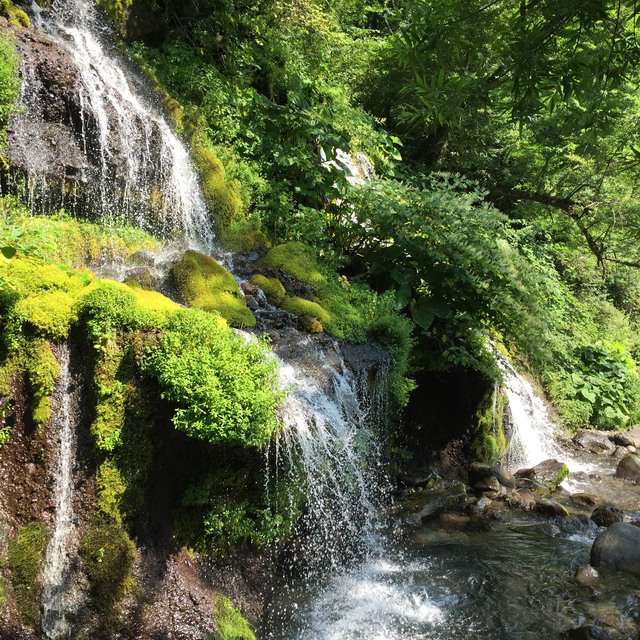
(618, 548)
(594, 441)
(629, 468)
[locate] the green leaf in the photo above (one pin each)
(8, 252)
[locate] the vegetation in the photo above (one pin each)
(231, 625)
(25, 556)
(9, 64)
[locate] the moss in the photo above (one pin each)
(25, 557)
(108, 555)
(244, 234)
(8, 372)
(490, 442)
(222, 195)
(66, 240)
(272, 287)
(42, 372)
(230, 622)
(302, 307)
(300, 261)
(111, 490)
(205, 284)
(118, 10)
(17, 17)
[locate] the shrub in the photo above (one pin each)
(25, 557)
(224, 389)
(205, 284)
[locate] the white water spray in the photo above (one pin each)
(56, 565)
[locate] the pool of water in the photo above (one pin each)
(513, 582)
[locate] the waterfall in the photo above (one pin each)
(533, 432)
(56, 565)
(330, 442)
(140, 171)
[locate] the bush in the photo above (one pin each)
(25, 557)
(224, 388)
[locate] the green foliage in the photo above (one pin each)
(205, 284)
(224, 389)
(42, 372)
(302, 307)
(229, 621)
(490, 442)
(108, 555)
(9, 65)
(25, 556)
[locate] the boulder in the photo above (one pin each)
(594, 441)
(505, 478)
(550, 509)
(606, 515)
(548, 474)
(454, 521)
(523, 498)
(587, 576)
(623, 440)
(618, 548)
(629, 468)
(490, 485)
(584, 499)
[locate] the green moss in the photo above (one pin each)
(205, 284)
(302, 307)
(490, 442)
(300, 261)
(222, 195)
(108, 555)
(118, 10)
(66, 240)
(244, 234)
(111, 490)
(17, 17)
(225, 390)
(9, 72)
(230, 622)
(272, 287)
(42, 372)
(8, 372)
(25, 556)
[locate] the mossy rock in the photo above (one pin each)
(307, 308)
(272, 287)
(298, 260)
(25, 556)
(17, 17)
(490, 442)
(42, 372)
(231, 624)
(108, 555)
(205, 284)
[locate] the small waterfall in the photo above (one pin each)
(56, 565)
(533, 432)
(331, 444)
(138, 169)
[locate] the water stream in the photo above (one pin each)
(60, 547)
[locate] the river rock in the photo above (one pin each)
(606, 515)
(629, 468)
(594, 441)
(548, 474)
(584, 499)
(587, 576)
(623, 440)
(618, 548)
(489, 485)
(454, 521)
(522, 498)
(550, 509)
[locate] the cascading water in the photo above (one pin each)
(56, 565)
(138, 169)
(533, 433)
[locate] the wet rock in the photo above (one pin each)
(142, 278)
(523, 498)
(430, 509)
(584, 499)
(454, 521)
(479, 471)
(629, 468)
(587, 576)
(548, 474)
(505, 478)
(550, 509)
(623, 440)
(490, 484)
(606, 515)
(249, 289)
(618, 548)
(481, 506)
(311, 324)
(588, 632)
(143, 259)
(594, 441)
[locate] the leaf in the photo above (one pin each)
(422, 314)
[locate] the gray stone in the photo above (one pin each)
(618, 548)
(629, 468)
(548, 474)
(550, 509)
(623, 440)
(594, 441)
(587, 576)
